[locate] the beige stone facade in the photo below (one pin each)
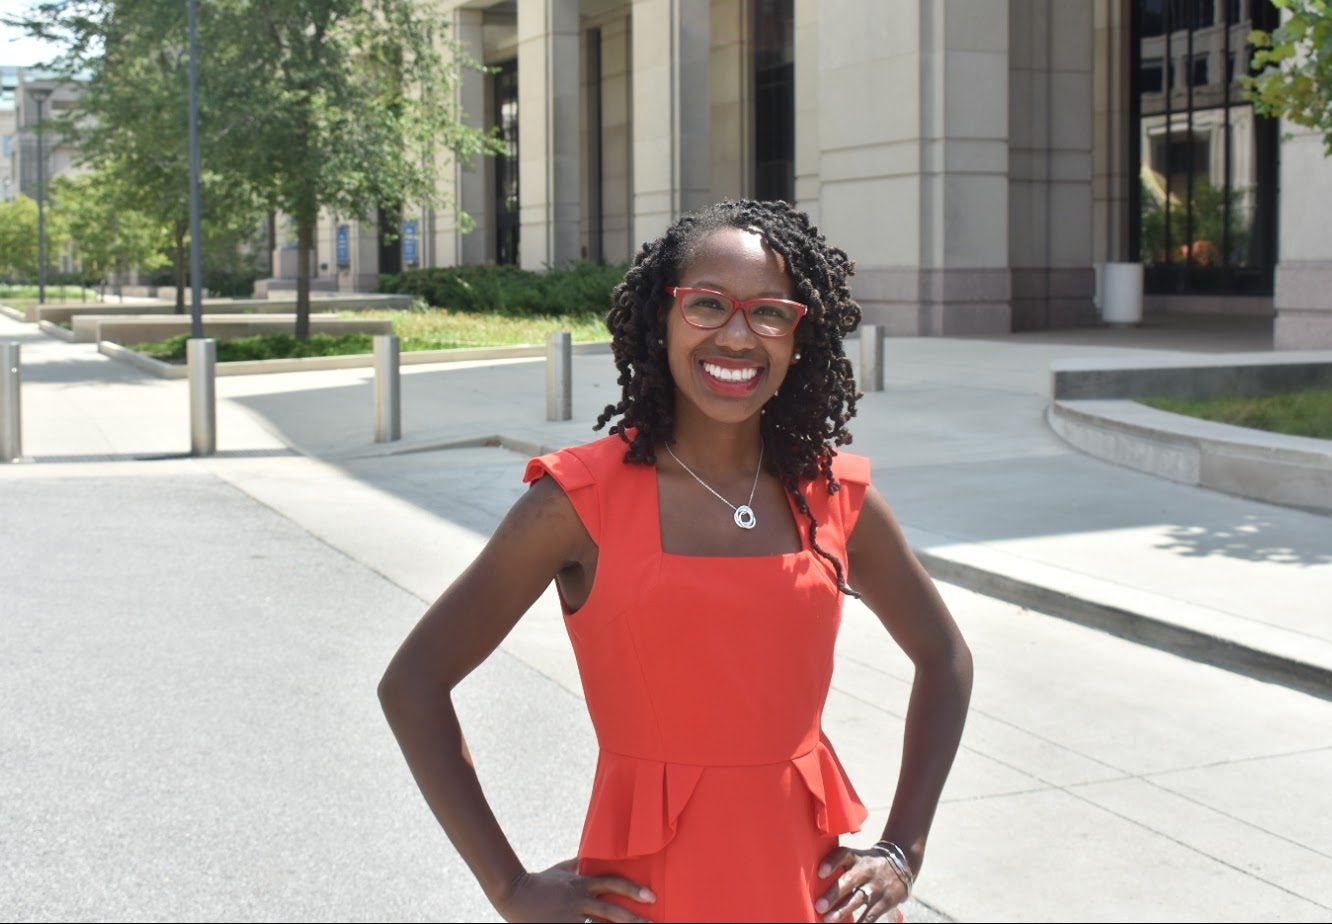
(978, 158)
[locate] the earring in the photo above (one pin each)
(796, 358)
(661, 342)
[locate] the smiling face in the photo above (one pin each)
(729, 373)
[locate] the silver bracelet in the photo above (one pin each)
(896, 857)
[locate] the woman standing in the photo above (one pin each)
(701, 553)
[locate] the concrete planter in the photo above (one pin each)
(1121, 293)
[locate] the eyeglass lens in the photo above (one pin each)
(709, 310)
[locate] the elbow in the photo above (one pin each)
(397, 690)
(964, 670)
(407, 688)
(949, 671)
(390, 692)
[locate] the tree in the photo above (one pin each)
(130, 58)
(306, 105)
(1293, 65)
(357, 103)
(18, 237)
(108, 233)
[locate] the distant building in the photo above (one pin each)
(18, 137)
(977, 159)
(9, 78)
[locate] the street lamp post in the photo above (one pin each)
(39, 96)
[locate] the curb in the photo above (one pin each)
(1294, 471)
(1162, 634)
(56, 331)
(351, 361)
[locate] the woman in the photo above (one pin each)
(701, 552)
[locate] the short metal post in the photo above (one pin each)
(201, 358)
(871, 357)
(388, 391)
(559, 376)
(11, 416)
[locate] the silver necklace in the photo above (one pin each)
(744, 514)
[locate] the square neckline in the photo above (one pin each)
(767, 556)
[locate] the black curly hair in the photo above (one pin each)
(802, 423)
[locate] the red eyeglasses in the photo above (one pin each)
(709, 310)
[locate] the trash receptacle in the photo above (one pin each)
(1121, 293)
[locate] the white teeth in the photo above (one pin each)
(730, 375)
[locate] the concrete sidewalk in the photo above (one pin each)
(989, 497)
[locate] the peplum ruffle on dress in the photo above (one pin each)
(705, 678)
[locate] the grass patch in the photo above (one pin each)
(264, 346)
(440, 329)
(23, 296)
(427, 329)
(1299, 413)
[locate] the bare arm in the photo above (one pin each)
(540, 537)
(895, 586)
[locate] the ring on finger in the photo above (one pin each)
(863, 893)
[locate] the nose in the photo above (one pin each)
(735, 333)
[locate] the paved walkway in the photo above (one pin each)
(1142, 758)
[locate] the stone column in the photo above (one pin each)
(731, 95)
(616, 162)
(1050, 162)
(807, 107)
(671, 114)
(913, 159)
(549, 172)
(1112, 171)
(1304, 272)
(471, 192)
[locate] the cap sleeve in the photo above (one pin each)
(853, 474)
(576, 480)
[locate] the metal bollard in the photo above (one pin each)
(559, 376)
(871, 357)
(388, 390)
(201, 358)
(11, 411)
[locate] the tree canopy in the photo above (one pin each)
(347, 106)
(1293, 67)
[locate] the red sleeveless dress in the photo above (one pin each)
(705, 678)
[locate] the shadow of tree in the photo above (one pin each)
(1253, 538)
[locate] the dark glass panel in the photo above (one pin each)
(505, 118)
(1205, 207)
(774, 99)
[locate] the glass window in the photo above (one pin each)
(1203, 215)
(1151, 76)
(1198, 75)
(774, 99)
(505, 121)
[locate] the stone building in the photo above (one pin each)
(978, 158)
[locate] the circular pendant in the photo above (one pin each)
(744, 517)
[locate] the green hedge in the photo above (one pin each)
(264, 346)
(580, 288)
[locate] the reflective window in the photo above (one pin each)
(1204, 210)
(774, 99)
(505, 116)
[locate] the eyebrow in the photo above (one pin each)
(705, 284)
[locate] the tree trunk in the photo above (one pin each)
(305, 230)
(181, 228)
